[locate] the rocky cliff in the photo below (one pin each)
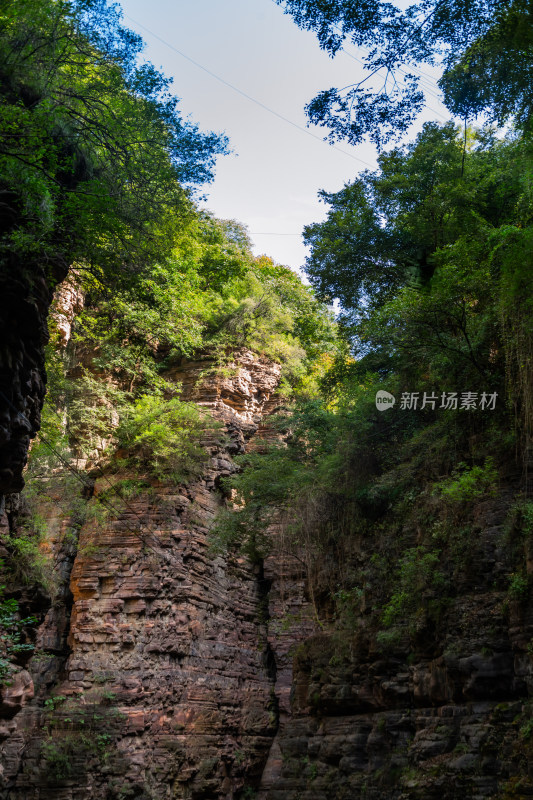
(25, 298)
(445, 713)
(163, 670)
(154, 674)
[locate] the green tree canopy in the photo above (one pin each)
(388, 228)
(94, 155)
(484, 47)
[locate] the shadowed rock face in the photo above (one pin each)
(26, 299)
(443, 717)
(24, 303)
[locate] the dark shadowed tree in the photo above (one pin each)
(483, 46)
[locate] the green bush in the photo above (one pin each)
(167, 437)
(520, 518)
(78, 729)
(518, 586)
(94, 407)
(58, 757)
(348, 605)
(527, 518)
(390, 639)
(418, 574)
(526, 731)
(27, 562)
(469, 483)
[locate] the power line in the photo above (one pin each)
(247, 96)
(404, 72)
(425, 78)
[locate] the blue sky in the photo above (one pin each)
(271, 180)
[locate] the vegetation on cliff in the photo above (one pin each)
(112, 398)
(97, 167)
(429, 256)
(390, 506)
(413, 519)
(98, 172)
(94, 154)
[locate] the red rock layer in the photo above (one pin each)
(167, 687)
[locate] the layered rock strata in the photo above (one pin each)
(445, 716)
(241, 387)
(161, 685)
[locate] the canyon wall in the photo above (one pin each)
(154, 674)
(164, 670)
(445, 716)
(25, 298)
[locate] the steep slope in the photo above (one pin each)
(161, 670)
(442, 712)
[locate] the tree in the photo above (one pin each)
(385, 230)
(225, 250)
(424, 253)
(94, 154)
(96, 166)
(484, 47)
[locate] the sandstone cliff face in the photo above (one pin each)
(241, 389)
(68, 302)
(158, 652)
